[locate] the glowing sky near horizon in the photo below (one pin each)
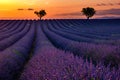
(57, 8)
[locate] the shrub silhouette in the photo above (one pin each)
(88, 12)
(40, 13)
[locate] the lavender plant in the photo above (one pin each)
(12, 59)
(96, 52)
(12, 39)
(53, 64)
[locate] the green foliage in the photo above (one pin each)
(88, 12)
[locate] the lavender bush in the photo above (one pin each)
(7, 24)
(12, 39)
(53, 64)
(18, 27)
(81, 56)
(12, 59)
(82, 37)
(96, 52)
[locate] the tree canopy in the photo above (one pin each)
(40, 13)
(88, 12)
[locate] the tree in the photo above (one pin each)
(88, 12)
(40, 13)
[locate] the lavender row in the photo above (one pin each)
(84, 31)
(13, 26)
(73, 30)
(17, 28)
(53, 64)
(91, 27)
(12, 39)
(41, 39)
(7, 25)
(69, 36)
(97, 52)
(108, 29)
(2, 23)
(82, 38)
(104, 27)
(12, 59)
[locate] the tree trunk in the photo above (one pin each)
(88, 17)
(40, 18)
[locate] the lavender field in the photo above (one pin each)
(60, 49)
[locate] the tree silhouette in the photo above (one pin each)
(88, 12)
(40, 13)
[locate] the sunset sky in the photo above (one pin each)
(24, 9)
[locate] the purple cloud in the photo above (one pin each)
(70, 14)
(104, 14)
(108, 12)
(99, 12)
(102, 4)
(109, 17)
(109, 4)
